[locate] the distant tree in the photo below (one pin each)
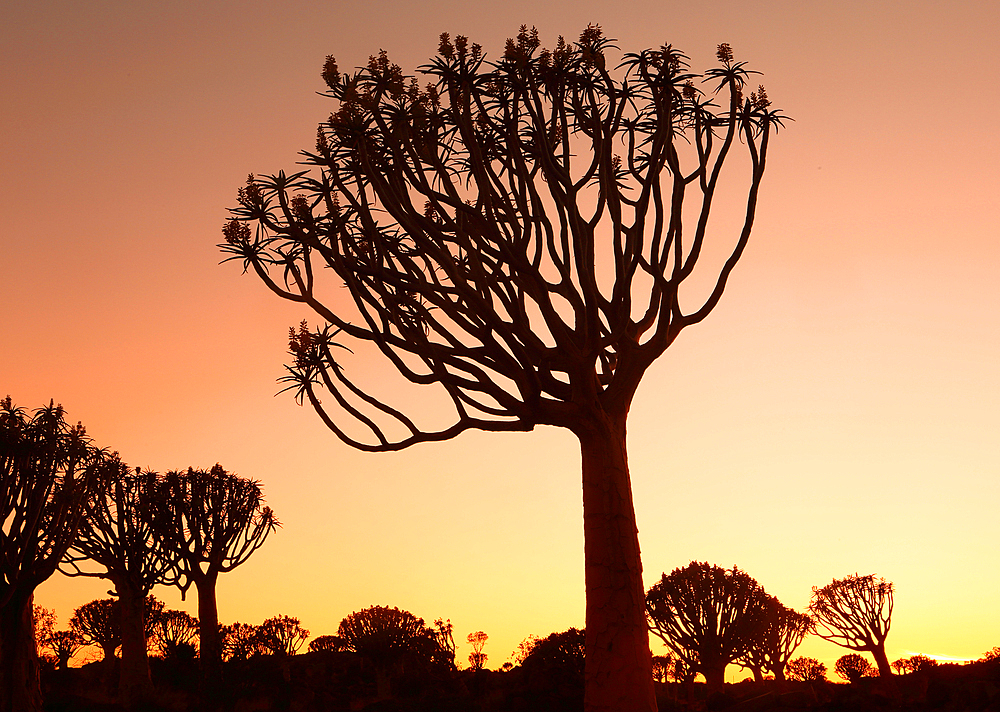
(174, 634)
(118, 536)
(442, 632)
(99, 623)
(914, 663)
(781, 634)
(48, 469)
(805, 670)
(852, 667)
(708, 616)
(63, 644)
(210, 522)
(855, 613)
(331, 643)
(282, 635)
(240, 641)
(560, 654)
(493, 243)
(389, 639)
(524, 648)
(477, 658)
(663, 667)
(44, 622)
(991, 655)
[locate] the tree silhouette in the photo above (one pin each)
(708, 616)
(118, 534)
(782, 633)
(805, 670)
(282, 635)
(663, 667)
(240, 641)
(63, 644)
(48, 469)
(99, 623)
(493, 244)
(855, 613)
(210, 522)
(914, 663)
(477, 658)
(327, 643)
(852, 667)
(174, 634)
(388, 638)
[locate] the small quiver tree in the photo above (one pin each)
(282, 635)
(118, 536)
(390, 640)
(210, 522)
(855, 613)
(803, 669)
(708, 616)
(477, 658)
(175, 634)
(48, 470)
(852, 667)
(328, 643)
(494, 244)
(99, 623)
(781, 634)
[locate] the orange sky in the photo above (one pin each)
(837, 413)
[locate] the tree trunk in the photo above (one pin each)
(210, 644)
(715, 677)
(619, 667)
(884, 668)
(136, 686)
(20, 683)
(758, 675)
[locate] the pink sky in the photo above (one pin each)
(837, 413)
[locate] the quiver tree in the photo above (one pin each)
(511, 235)
(855, 612)
(282, 635)
(804, 669)
(48, 470)
(240, 641)
(782, 632)
(174, 634)
(709, 616)
(210, 522)
(852, 667)
(390, 640)
(99, 623)
(327, 643)
(118, 535)
(63, 644)
(477, 658)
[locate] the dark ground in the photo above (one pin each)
(337, 682)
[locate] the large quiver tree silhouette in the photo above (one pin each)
(855, 612)
(118, 534)
(211, 522)
(709, 616)
(48, 470)
(494, 244)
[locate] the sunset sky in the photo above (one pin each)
(837, 413)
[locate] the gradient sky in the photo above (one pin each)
(836, 414)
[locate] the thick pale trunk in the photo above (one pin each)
(619, 669)
(136, 686)
(20, 683)
(210, 643)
